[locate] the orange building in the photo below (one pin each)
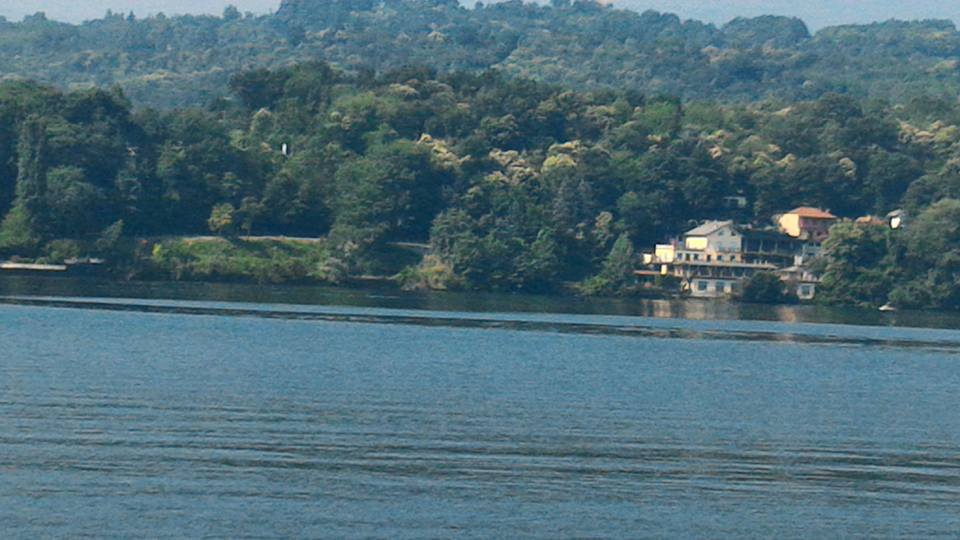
(807, 223)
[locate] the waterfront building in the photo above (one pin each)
(713, 259)
(806, 223)
(800, 281)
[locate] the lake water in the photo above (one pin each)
(323, 414)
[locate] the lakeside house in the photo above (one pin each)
(713, 259)
(807, 223)
(708, 260)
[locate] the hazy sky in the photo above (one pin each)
(79, 10)
(817, 13)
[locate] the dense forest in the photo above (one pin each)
(509, 183)
(169, 62)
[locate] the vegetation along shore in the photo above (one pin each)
(329, 162)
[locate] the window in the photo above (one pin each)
(721, 287)
(719, 258)
(696, 256)
(701, 286)
(709, 257)
(804, 290)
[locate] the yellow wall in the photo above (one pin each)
(790, 223)
(666, 253)
(697, 243)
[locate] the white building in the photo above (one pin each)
(713, 259)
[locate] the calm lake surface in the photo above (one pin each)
(170, 411)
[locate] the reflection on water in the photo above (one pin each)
(934, 340)
(332, 414)
(690, 309)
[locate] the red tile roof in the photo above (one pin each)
(814, 213)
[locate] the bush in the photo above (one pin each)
(109, 239)
(616, 277)
(16, 234)
(766, 288)
(59, 251)
(431, 274)
(263, 261)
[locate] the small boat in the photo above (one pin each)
(887, 308)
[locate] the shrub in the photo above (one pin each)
(263, 261)
(766, 288)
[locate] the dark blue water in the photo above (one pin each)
(375, 423)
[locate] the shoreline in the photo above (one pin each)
(571, 325)
(467, 302)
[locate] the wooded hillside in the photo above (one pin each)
(184, 61)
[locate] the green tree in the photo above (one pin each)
(766, 288)
(231, 13)
(394, 189)
(108, 244)
(250, 211)
(617, 273)
(222, 219)
(929, 259)
(28, 222)
(856, 269)
(889, 176)
(70, 199)
(538, 266)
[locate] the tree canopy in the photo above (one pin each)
(187, 60)
(513, 184)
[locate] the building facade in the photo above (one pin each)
(713, 259)
(806, 223)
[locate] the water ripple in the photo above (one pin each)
(951, 345)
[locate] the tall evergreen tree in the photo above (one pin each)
(32, 166)
(25, 224)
